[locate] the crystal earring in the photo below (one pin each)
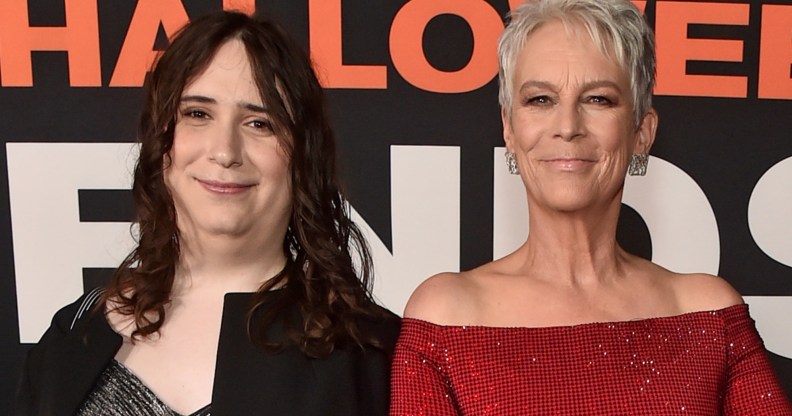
(638, 164)
(511, 163)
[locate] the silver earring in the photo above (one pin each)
(511, 163)
(638, 164)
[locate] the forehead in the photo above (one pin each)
(565, 49)
(227, 76)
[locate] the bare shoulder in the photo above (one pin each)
(439, 298)
(704, 292)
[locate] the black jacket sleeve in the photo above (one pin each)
(63, 366)
(30, 380)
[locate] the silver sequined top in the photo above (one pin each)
(118, 392)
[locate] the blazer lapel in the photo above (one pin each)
(77, 363)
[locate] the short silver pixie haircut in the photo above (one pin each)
(616, 27)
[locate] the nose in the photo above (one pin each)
(568, 121)
(226, 147)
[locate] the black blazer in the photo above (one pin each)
(62, 369)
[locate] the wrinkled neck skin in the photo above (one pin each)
(575, 248)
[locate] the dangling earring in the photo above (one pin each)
(638, 164)
(511, 163)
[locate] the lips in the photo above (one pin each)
(569, 163)
(224, 188)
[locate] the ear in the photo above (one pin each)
(646, 132)
(507, 129)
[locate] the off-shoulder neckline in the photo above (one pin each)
(644, 321)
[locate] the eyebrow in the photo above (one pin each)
(209, 100)
(586, 86)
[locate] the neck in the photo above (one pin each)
(222, 264)
(574, 248)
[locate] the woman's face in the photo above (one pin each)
(228, 173)
(571, 122)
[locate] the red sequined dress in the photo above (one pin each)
(702, 363)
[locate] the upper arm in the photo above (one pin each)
(705, 292)
(436, 299)
(751, 386)
(35, 365)
(419, 383)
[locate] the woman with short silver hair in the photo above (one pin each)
(570, 323)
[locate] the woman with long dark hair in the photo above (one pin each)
(249, 289)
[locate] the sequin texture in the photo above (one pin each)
(703, 363)
(118, 392)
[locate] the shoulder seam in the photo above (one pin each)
(88, 302)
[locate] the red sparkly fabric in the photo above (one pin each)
(702, 363)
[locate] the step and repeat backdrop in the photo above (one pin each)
(413, 94)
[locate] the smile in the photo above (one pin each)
(224, 188)
(569, 164)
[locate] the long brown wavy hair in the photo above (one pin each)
(331, 293)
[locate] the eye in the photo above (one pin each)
(259, 124)
(538, 100)
(195, 113)
(600, 99)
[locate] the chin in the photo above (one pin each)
(569, 200)
(215, 227)
(227, 228)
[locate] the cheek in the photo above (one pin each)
(167, 169)
(614, 136)
(167, 161)
(272, 164)
(525, 133)
(171, 182)
(188, 143)
(277, 171)
(280, 171)
(187, 154)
